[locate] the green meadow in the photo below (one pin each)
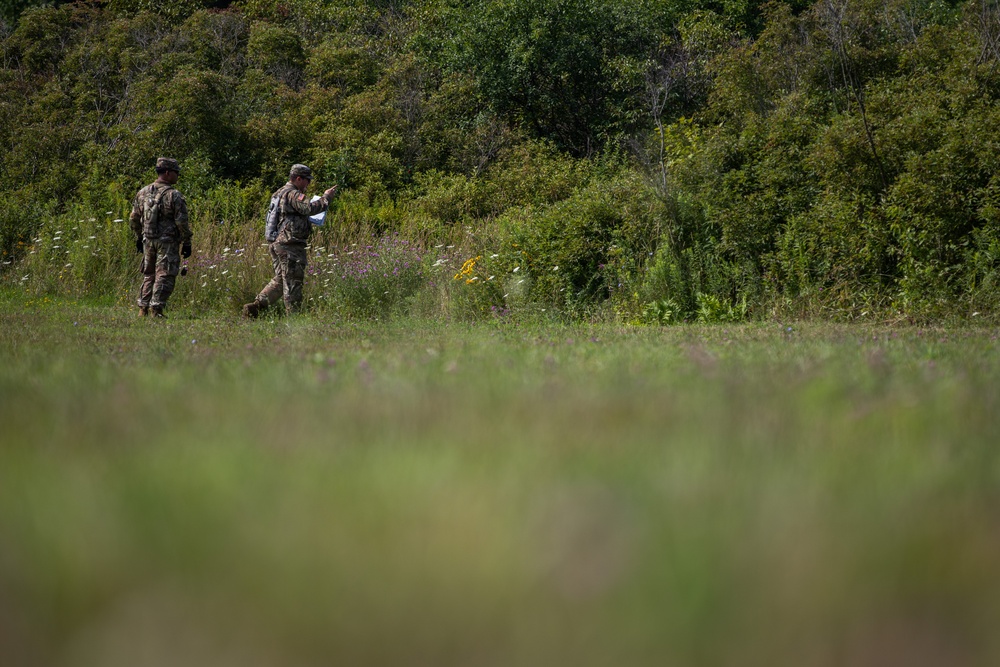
(307, 491)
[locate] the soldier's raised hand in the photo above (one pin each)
(329, 193)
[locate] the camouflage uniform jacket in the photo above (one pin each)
(295, 209)
(173, 214)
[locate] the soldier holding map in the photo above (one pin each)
(288, 229)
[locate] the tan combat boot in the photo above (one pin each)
(157, 311)
(143, 311)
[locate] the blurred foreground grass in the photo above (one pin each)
(305, 492)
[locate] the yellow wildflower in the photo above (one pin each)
(468, 267)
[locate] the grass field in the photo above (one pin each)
(307, 492)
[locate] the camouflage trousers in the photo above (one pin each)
(289, 264)
(161, 262)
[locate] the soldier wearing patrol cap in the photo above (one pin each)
(288, 250)
(159, 220)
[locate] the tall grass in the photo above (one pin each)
(360, 266)
(312, 490)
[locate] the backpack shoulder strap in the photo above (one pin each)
(157, 191)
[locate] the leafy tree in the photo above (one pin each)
(11, 10)
(570, 70)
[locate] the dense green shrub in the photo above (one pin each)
(570, 70)
(587, 248)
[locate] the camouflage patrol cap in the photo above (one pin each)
(168, 163)
(300, 170)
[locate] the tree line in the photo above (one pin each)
(670, 157)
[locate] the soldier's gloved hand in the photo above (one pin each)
(138, 246)
(186, 250)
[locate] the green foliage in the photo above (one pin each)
(828, 159)
(347, 69)
(681, 276)
(277, 50)
(175, 9)
(19, 219)
(570, 70)
(713, 310)
(587, 248)
(218, 41)
(664, 311)
(528, 174)
(831, 162)
(38, 42)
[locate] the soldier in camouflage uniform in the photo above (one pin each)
(288, 251)
(159, 219)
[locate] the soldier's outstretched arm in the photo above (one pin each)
(300, 202)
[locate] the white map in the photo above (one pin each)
(320, 217)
